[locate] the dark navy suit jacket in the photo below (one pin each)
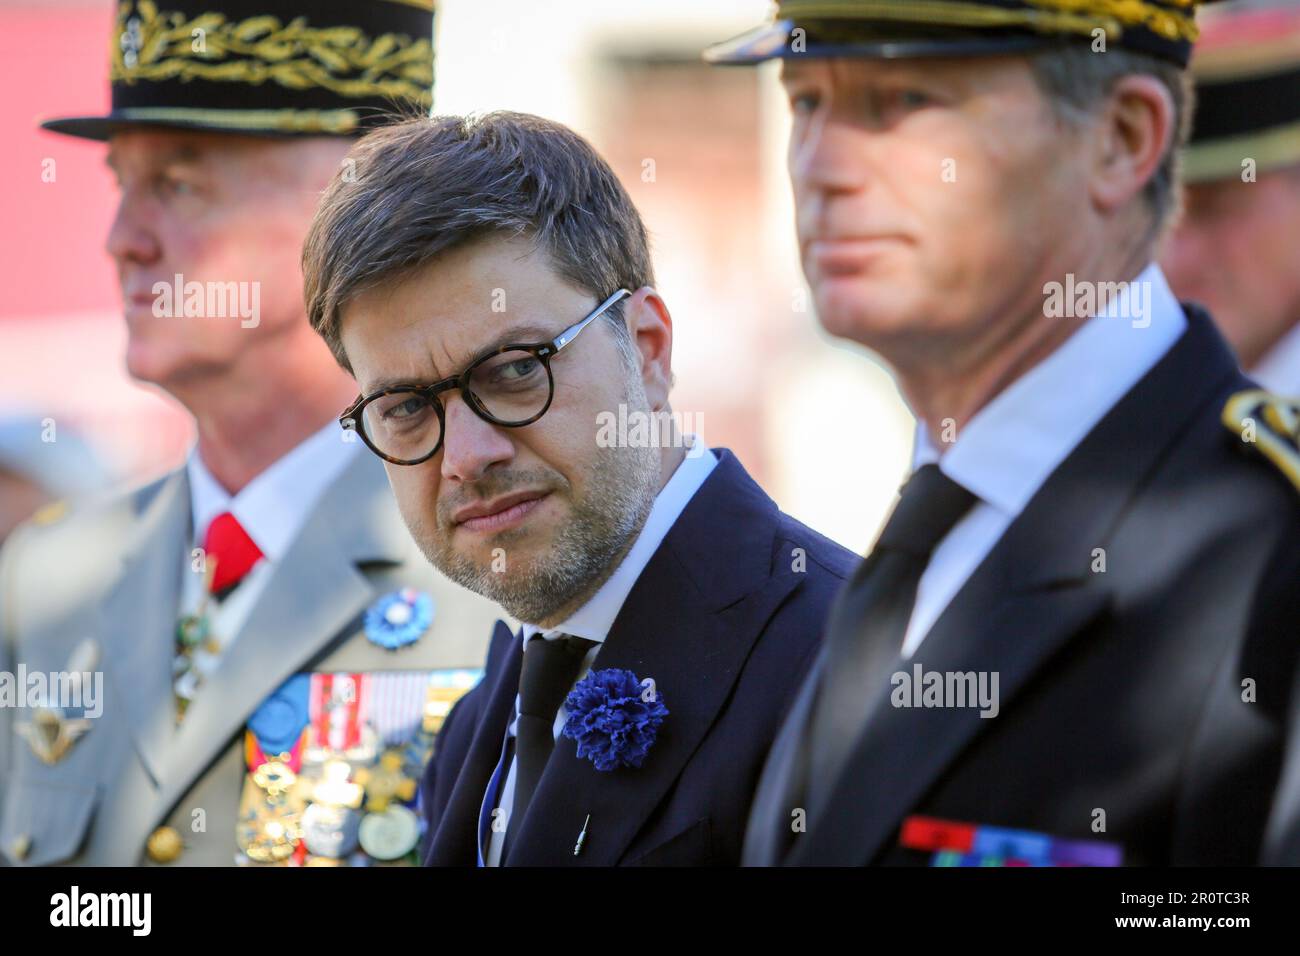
(1123, 714)
(726, 618)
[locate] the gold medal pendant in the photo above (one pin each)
(330, 825)
(270, 813)
(388, 781)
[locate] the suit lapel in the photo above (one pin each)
(138, 617)
(456, 841)
(315, 591)
(1032, 595)
(689, 623)
(778, 793)
(784, 784)
(905, 750)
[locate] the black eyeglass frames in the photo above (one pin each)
(512, 386)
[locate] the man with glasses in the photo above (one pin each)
(1073, 640)
(488, 283)
(268, 653)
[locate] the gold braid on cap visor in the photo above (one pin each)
(1060, 16)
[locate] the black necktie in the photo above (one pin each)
(866, 628)
(550, 667)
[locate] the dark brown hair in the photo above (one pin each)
(417, 188)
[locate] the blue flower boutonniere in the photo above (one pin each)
(614, 717)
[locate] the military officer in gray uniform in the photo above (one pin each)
(247, 660)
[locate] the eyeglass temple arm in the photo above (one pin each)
(349, 417)
(571, 333)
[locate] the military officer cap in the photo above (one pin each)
(1247, 73)
(894, 29)
(267, 67)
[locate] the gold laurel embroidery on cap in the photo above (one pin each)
(942, 13)
(1276, 427)
(1070, 16)
(1170, 24)
(342, 59)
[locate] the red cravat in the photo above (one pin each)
(233, 551)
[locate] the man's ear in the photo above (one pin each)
(1136, 127)
(651, 326)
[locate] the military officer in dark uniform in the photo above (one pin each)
(248, 658)
(1235, 249)
(1073, 640)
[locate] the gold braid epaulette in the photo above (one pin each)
(1270, 424)
(1069, 16)
(342, 59)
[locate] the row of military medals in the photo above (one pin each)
(314, 804)
(323, 805)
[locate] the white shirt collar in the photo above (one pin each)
(1006, 451)
(1279, 370)
(272, 507)
(594, 619)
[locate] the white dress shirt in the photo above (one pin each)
(1279, 370)
(1007, 451)
(272, 509)
(593, 620)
